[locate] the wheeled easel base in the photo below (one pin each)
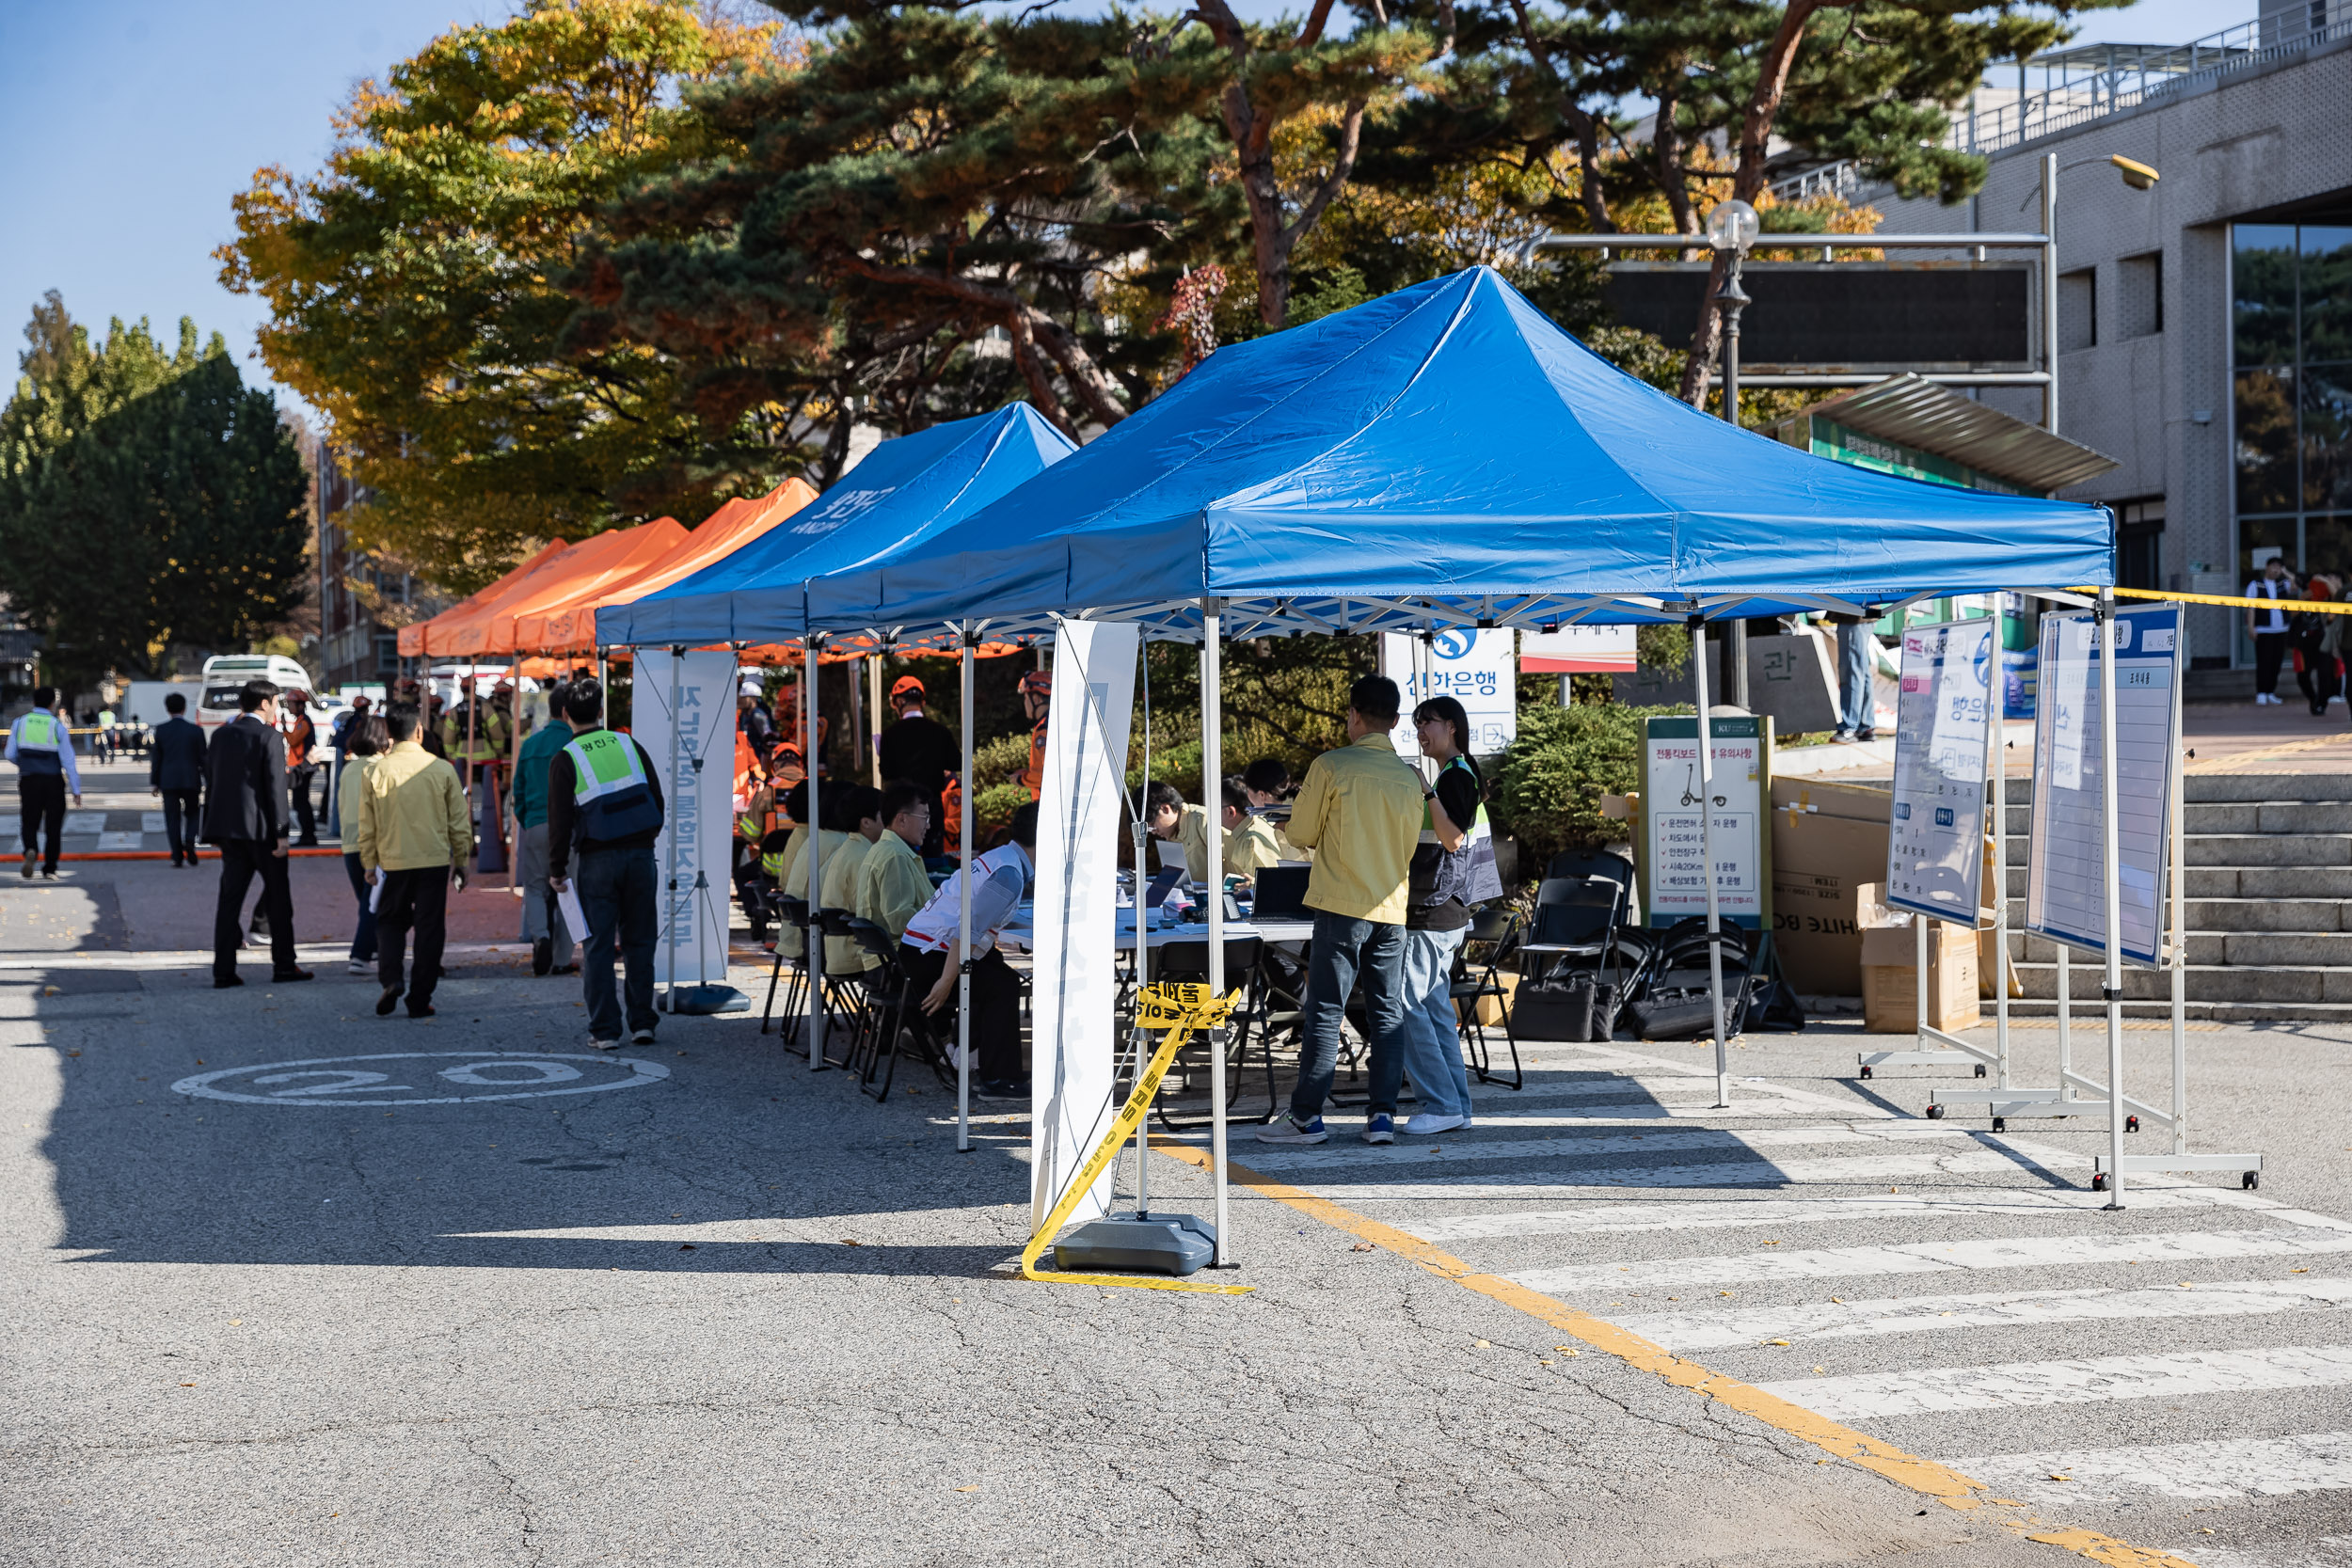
(701, 1001)
(1154, 1242)
(2248, 1166)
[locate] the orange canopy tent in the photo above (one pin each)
(416, 637)
(580, 572)
(569, 627)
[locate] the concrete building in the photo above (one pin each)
(2205, 325)
(361, 599)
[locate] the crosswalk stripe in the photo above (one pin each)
(1697, 1331)
(2014, 1252)
(2226, 1469)
(2089, 1381)
(1455, 1148)
(1745, 1173)
(1605, 1219)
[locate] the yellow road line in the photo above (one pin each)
(2286, 747)
(1923, 1476)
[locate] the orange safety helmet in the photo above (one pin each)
(904, 686)
(1037, 681)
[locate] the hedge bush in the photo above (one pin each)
(1546, 792)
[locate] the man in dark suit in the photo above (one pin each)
(175, 772)
(245, 818)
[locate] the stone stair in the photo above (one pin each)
(2269, 904)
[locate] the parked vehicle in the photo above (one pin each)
(224, 674)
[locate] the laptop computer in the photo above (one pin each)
(1281, 892)
(1164, 880)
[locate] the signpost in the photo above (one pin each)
(1478, 668)
(1674, 856)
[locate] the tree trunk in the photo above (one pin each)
(1747, 178)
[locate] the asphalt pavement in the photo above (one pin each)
(286, 1283)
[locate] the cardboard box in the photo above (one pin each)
(1829, 840)
(1890, 977)
(1492, 1009)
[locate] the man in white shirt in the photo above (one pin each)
(932, 953)
(2269, 628)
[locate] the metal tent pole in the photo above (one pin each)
(2180, 915)
(964, 976)
(2049, 292)
(2112, 978)
(1212, 781)
(1142, 839)
(1707, 849)
(812, 945)
(874, 709)
(1996, 692)
(513, 765)
(677, 664)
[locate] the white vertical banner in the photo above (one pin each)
(1072, 1024)
(693, 756)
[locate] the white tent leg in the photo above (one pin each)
(963, 979)
(1707, 852)
(677, 665)
(1212, 794)
(1996, 769)
(2111, 979)
(876, 722)
(2180, 917)
(812, 945)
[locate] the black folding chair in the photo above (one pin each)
(845, 990)
(791, 914)
(895, 1015)
(1592, 862)
(1576, 917)
(1181, 962)
(1491, 942)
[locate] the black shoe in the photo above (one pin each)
(426, 1011)
(386, 1003)
(1001, 1088)
(564, 969)
(1866, 733)
(288, 977)
(542, 956)
(222, 982)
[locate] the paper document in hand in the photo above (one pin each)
(574, 918)
(376, 895)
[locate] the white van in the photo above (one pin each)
(225, 675)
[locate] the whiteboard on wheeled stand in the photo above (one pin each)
(2066, 869)
(1935, 844)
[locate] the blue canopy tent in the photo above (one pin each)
(1443, 455)
(1447, 454)
(905, 491)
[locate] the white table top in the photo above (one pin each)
(1018, 933)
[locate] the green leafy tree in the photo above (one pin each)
(148, 500)
(414, 294)
(926, 208)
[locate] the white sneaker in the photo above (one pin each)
(360, 966)
(1434, 1121)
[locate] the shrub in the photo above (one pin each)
(1547, 790)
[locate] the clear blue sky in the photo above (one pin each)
(126, 128)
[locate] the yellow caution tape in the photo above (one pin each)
(2321, 606)
(1181, 1010)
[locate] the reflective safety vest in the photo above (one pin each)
(38, 731)
(952, 813)
(1469, 873)
(615, 792)
(1033, 776)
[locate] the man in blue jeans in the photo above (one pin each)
(1855, 644)
(1360, 810)
(604, 802)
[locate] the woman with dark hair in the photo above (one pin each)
(366, 738)
(1454, 868)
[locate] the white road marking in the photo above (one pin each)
(2018, 1252)
(1717, 1213)
(2231, 1469)
(2090, 1381)
(1698, 1331)
(114, 842)
(500, 1074)
(1745, 1173)
(152, 823)
(1345, 1152)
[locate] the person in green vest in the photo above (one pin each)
(543, 924)
(605, 810)
(41, 747)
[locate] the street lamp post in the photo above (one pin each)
(1731, 228)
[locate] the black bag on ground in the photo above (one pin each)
(1682, 1013)
(1558, 1009)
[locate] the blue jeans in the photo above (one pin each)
(363, 935)
(1345, 949)
(1853, 677)
(618, 895)
(1432, 1043)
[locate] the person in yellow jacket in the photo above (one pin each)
(779, 847)
(1250, 843)
(414, 829)
(892, 885)
(859, 811)
(830, 838)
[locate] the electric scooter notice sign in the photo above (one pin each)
(1674, 856)
(1935, 844)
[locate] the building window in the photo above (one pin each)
(2140, 295)
(2078, 310)
(388, 655)
(2139, 543)
(2291, 408)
